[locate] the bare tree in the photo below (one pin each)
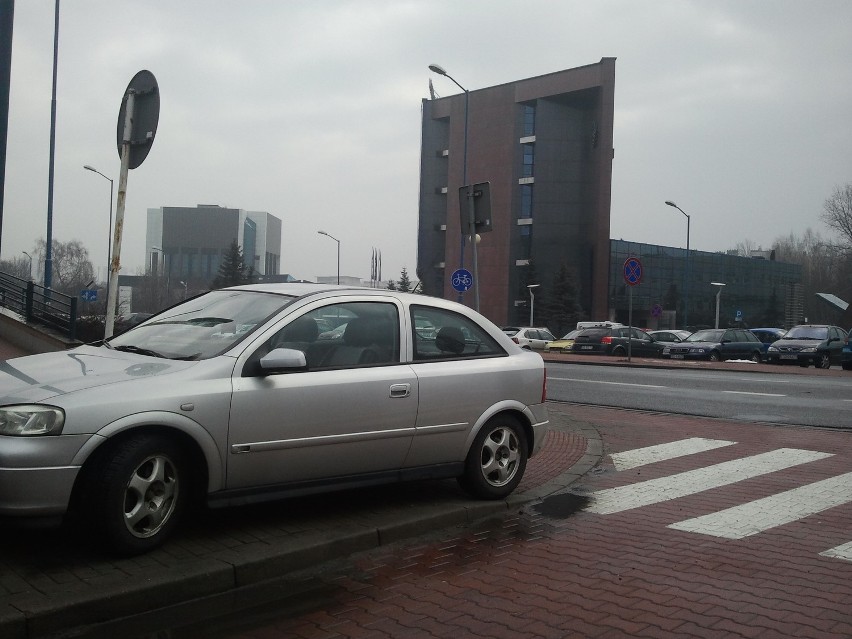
(72, 269)
(837, 212)
(17, 266)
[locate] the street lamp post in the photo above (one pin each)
(30, 267)
(686, 274)
(718, 295)
(436, 68)
(109, 238)
(338, 253)
(532, 300)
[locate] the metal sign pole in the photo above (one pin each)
(115, 263)
(630, 324)
(472, 217)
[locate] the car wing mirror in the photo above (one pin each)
(282, 360)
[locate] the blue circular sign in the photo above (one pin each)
(632, 271)
(462, 280)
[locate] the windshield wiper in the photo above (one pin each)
(140, 351)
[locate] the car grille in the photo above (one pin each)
(678, 350)
(789, 349)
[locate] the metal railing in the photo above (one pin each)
(39, 305)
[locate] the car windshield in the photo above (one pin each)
(708, 335)
(202, 327)
(807, 332)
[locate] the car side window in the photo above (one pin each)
(361, 334)
(454, 336)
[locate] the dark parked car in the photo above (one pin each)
(768, 336)
(614, 341)
(670, 335)
(716, 345)
(846, 353)
(806, 344)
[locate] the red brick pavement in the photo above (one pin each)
(580, 574)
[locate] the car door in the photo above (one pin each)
(327, 420)
(838, 338)
(643, 344)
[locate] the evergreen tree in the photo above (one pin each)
(232, 270)
(404, 283)
(561, 308)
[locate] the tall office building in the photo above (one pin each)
(188, 244)
(545, 145)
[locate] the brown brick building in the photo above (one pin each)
(545, 144)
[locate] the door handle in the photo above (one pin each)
(400, 390)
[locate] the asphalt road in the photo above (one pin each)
(778, 397)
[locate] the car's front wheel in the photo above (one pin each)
(755, 357)
(497, 459)
(138, 493)
(824, 361)
(715, 357)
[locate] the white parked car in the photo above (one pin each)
(230, 398)
(529, 338)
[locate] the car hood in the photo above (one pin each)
(37, 378)
(798, 343)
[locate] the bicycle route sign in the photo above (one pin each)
(462, 280)
(632, 271)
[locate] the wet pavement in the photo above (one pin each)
(424, 560)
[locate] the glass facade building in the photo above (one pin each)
(756, 292)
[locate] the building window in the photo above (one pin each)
(526, 200)
(529, 119)
(529, 160)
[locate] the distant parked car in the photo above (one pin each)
(529, 338)
(846, 353)
(615, 341)
(716, 345)
(767, 336)
(563, 344)
(672, 336)
(806, 344)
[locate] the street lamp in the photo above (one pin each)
(436, 68)
(184, 289)
(686, 274)
(718, 295)
(338, 253)
(109, 239)
(532, 300)
(30, 267)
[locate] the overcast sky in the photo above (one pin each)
(740, 112)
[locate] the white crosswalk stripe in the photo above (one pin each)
(769, 512)
(736, 522)
(839, 552)
(662, 452)
(662, 489)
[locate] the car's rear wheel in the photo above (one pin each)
(619, 351)
(715, 357)
(824, 361)
(497, 459)
(138, 493)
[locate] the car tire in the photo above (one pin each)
(138, 493)
(715, 357)
(755, 357)
(619, 351)
(824, 361)
(847, 366)
(496, 460)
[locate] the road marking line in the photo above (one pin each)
(592, 381)
(748, 393)
(653, 491)
(843, 551)
(776, 510)
(651, 454)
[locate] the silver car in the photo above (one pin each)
(230, 398)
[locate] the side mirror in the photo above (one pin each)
(283, 360)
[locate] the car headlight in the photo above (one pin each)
(31, 420)
(809, 349)
(697, 350)
(772, 349)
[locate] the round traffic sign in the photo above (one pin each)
(632, 271)
(462, 280)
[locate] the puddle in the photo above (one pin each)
(562, 505)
